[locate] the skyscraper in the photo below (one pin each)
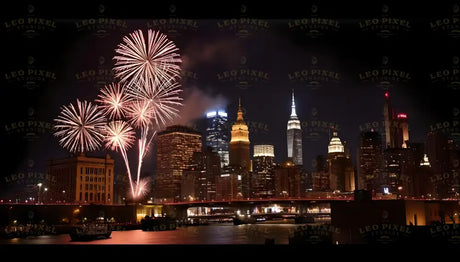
(396, 126)
(294, 136)
(200, 178)
(239, 143)
(262, 178)
(369, 160)
(341, 171)
(444, 157)
(217, 135)
(175, 148)
(403, 130)
(388, 116)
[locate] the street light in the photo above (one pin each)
(44, 196)
(39, 188)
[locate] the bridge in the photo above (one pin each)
(254, 210)
(307, 208)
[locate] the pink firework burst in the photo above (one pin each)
(119, 135)
(139, 113)
(140, 61)
(113, 100)
(163, 100)
(80, 128)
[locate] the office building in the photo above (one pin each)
(175, 148)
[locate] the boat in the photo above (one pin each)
(90, 231)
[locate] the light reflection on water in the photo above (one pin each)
(215, 234)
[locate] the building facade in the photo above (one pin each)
(80, 179)
(320, 174)
(444, 158)
(229, 184)
(217, 135)
(262, 177)
(199, 180)
(287, 180)
(175, 148)
(369, 160)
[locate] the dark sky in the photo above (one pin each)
(57, 48)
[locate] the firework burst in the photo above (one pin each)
(119, 135)
(140, 61)
(80, 128)
(113, 100)
(163, 100)
(139, 113)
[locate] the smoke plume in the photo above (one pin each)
(196, 103)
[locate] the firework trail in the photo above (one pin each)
(139, 114)
(80, 128)
(160, 102)
(143, 62)
(142, 186)
(120, 136)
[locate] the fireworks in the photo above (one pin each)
(143, 62)
(163, 101)
(119, 135)
(143, 187)
(113, 100)
(147, 94)
(139, 113)
(80, 130)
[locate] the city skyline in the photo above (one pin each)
(71, 59)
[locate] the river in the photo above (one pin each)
(214, 234)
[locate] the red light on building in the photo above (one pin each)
(387, 95)
(402, 115)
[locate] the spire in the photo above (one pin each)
(239, 117)
(293, 113)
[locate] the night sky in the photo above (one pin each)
(58, 47)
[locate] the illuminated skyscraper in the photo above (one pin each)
(240, 162)
(294, 136)
(262, 178)
(175, 148)
(217, 135)
(403, 130)
(341, 171)
(239, 143)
